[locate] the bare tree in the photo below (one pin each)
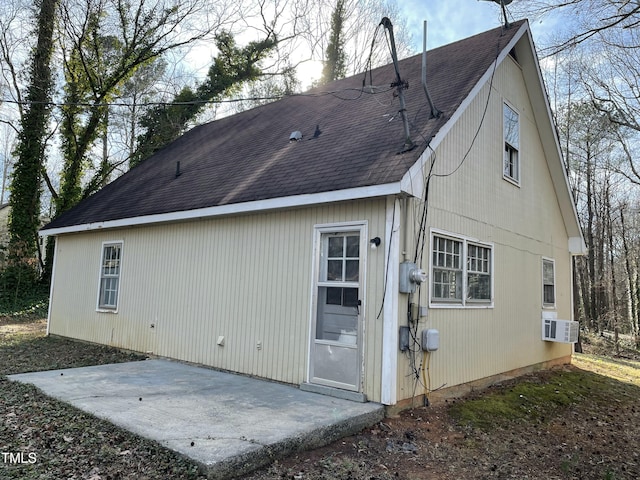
(594, 80)
(589, 18)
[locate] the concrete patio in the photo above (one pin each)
(229, 424)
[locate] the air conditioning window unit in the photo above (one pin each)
(563, 331)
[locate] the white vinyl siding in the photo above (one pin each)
(522, 225)
(110, 266)
(245, 278)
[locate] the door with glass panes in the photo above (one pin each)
(336, 350)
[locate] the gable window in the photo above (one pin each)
(511, 160)
(110, 267)
(461, 271)
(548, 283)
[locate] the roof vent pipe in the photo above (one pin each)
(435, 113)
(178, 172)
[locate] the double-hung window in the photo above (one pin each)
(461, 271)
(478, 273)
(548, 283)
(511, 131)
(447, 269)
(110, 268)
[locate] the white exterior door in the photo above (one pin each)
(336, 345)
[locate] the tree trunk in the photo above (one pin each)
(26, 184)
(591, 250)
(631, 277)
(613, 304)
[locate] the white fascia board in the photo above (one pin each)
(413, 181)
(235, 208)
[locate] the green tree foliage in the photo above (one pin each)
(103, 45)
(335, 63)
(86, 71)
(230, 70)
(102, 52)
(24, 220)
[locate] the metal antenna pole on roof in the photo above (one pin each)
(435, 113)
(408, 143)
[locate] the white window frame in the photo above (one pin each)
(514, 179)
(546, 304)
(464, 302)
(101, 276)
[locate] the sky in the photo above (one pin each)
(451, 20)
(447, 22)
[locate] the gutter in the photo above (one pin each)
(232, 209)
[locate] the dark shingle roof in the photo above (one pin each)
(248, 156)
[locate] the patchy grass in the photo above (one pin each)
(543, 396)
(622, 369)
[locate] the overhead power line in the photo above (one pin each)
(369, 90)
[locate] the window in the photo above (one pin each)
(548, 283)
(110, 276)
(343, 258)
(478, 273)
(342, 265)
(511, 161)
(460, 265)
(447, 269)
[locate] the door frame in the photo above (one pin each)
(361, 226)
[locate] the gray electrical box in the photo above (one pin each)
(403, 339)
(430, 340)
(410, 276)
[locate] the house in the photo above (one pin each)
(307, 242)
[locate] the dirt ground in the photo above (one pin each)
(428, 445)
(594, 435)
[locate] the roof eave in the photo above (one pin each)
(293, 201)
